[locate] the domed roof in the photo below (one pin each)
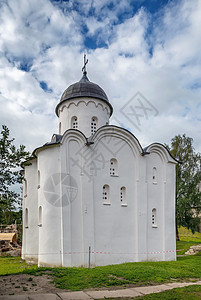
(84, 88)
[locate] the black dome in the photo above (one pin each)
(84, 88)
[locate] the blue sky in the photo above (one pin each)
(148, 48)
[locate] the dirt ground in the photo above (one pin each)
(27, 284)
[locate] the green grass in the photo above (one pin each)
(184, 246)
(187, 239)
(192, 292)
(13, 265)
(137, 274)
(187, 235)
(142, 273)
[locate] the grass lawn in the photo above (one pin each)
(187, 239)
(186, 235)
(187, 293)
(13, 265)
(142, 273)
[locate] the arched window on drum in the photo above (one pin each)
(74, 122)
(94, 124)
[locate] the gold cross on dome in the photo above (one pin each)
(85, 63)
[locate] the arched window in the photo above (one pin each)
(106, 194)
(74, 123)
(94, 124)
(154, 175)
(40, 216)
(153, 218)
(25, 188)
(113, 167)
(26, 218)
(38, 179)
(123, 196)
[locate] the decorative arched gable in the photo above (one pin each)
(125, 138)
(162, 151)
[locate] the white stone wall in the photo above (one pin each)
(84, 109)
(30, 205)
(49, 198)
(115, 223)
(161, 196)
(74, 214)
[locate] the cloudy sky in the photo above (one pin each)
(145, 54)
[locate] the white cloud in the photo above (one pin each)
(29, 27)
(162, 62)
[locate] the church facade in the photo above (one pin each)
(93, 194)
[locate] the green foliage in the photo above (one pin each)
(188, 175)
(10, 160)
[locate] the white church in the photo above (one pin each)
(93, 195)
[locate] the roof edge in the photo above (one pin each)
(107, 102)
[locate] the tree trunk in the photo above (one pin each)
(177, 232)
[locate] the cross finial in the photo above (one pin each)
(84, 67)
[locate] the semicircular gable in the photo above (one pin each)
(127, 139)
(75, 134)
(127, 136)
(162, 151)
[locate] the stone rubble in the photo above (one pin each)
(193, 250)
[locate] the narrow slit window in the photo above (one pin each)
(26, 218)
(106, 194)
(154, 175)
(74, 122)
(123, 196)
(59, 127)
(94, 124)
(38, 179)
(40, 216)
(153, 218)
(113, 167)
(25, 188)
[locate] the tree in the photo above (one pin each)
(188, 178)
(10, 160)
